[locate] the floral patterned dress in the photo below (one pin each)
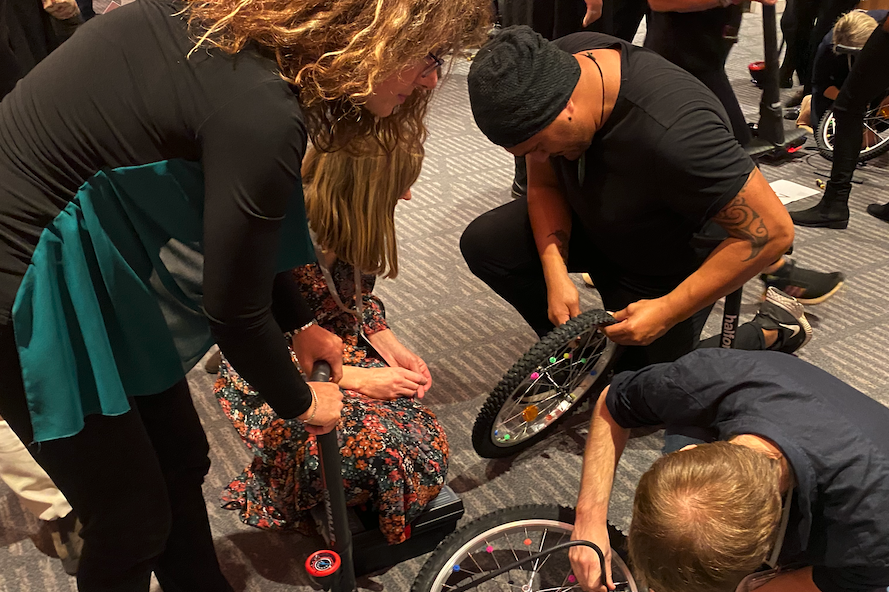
(395, 453)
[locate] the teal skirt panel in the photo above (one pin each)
(111, 304)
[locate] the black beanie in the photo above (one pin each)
(518, 84)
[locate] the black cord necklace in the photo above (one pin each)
(590, 55)
(581, 163)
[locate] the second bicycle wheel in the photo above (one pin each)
(545, 385)
(502, 538)
(875, 140)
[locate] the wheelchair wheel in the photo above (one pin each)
(507, 536)
(876, 133)
(545, 385)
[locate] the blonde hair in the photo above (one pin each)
(350, 201)
(705, 518)
(336, 52)
(853, 29)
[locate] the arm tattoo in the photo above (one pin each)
(740, 220)
(561, 243)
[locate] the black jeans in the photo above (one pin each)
(135, 482)
(868, 78)
(812, 20)
(500, 250)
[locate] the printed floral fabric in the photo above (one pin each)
(394, 453)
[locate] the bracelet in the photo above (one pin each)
(314, 402)
(304, 327)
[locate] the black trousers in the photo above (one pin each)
(500, 250)
(135, 482)
(868, 79)
(812, 20)
(553, 18)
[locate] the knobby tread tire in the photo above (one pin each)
(827, 151)
(448, 547)
(537, 355)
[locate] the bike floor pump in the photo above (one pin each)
(771, 141)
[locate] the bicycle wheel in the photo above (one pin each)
(504, 537)
(545, 385)
(876, 133)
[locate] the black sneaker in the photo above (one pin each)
(807, 286)
(784, 314)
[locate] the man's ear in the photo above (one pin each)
(570, 108)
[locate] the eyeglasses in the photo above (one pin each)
(433, 63)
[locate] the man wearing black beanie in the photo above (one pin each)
(628, 157)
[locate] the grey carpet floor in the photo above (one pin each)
(470, 338)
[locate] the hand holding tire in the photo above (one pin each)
(585, 561)
(563, 300)
(327, 408)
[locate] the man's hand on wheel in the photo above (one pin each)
(585, 561)
(562, 299)
(316, 343)
(640, 323)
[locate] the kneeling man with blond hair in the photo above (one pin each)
(792, 467)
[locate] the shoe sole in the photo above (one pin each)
(811, 301)
(803, 321)
(834, 225)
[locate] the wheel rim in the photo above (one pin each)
(552, 388)
(512, 541)
(876, 130)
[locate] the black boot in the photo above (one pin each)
(831, 212)
(879, 211)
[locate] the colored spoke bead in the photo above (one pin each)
(489, 549)
(552, 360)
(535, 375)
(527, 542)
(530, 413)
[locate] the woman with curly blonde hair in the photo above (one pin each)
(152, 204)
(395, 451)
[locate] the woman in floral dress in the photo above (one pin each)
(394, 451)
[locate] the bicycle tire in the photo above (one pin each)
(437, 572)
(486, 444)
(825, 145)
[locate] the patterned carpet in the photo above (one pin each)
(469, 338)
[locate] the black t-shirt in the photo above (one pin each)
(123, 93)
(833, 436)
(664, 162)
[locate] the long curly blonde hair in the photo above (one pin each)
(337, 51)
(351, 197)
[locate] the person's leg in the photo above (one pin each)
(499, 249)
(829, 11)
(188, 563)
(806, 13)
(21, 473)
(788, 30)
(628, 14)
(780, 325)
(111, 478)
(868, 78)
